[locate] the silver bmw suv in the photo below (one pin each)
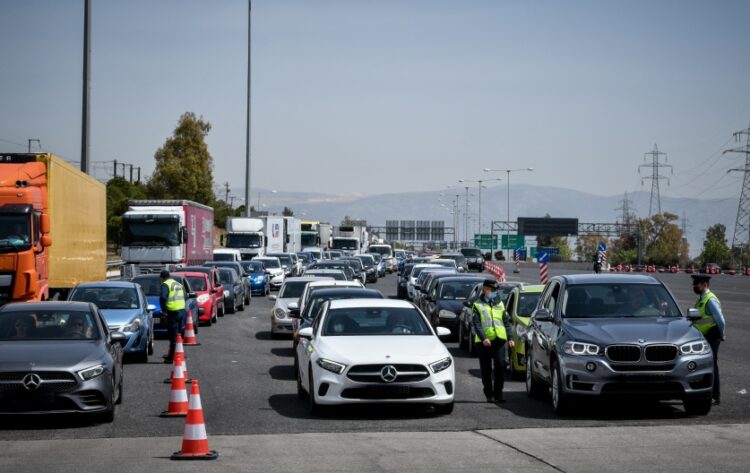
(616, 336)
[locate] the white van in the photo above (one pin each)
(227, 254)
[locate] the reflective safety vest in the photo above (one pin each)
(491, 318)
(706, 321)
(176, 296)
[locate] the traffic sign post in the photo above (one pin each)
(543, 259)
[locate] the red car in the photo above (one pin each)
(210, 300)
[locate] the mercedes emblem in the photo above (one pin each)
(389, 373)
(32, 381)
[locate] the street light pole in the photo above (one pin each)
(466, 217)
(479, 201)
(507, 224)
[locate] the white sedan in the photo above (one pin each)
(374, 351)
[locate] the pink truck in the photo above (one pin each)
(158, 234)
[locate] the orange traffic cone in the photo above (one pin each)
(179, 354)
(178, 400)
(195, 440)
(190, 333)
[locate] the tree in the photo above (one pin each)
(287, 212)
(588, 245)
(184, 167)
(119, 191)
(561, 243)
(663, 242)
(715, 248)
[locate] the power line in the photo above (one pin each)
(655, 177)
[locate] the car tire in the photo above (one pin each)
(301, 393)
(106, 417)
(315, 408)
(221, 312)
(534, 387)
(119, 391)
(150, 344)
(461, 338)
(215, 317)
(242, 306)
(141, 357)
(247, 300)
(443, 409)
(561, 402)
(697, 406)
(231, 309)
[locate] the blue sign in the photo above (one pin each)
(602, 247)
(543, 257)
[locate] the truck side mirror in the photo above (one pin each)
(221, 240)
(183, 235)
(46, 240)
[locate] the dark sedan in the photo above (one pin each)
(234, 291)
(446, 300)
(59, 357)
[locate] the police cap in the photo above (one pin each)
(491, 283)
(700, 278)
(164, 274)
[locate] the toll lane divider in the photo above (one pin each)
(496, 270)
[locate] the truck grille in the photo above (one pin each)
(371, 373)
(661, 353)
(623, 353)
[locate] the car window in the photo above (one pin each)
(527, 302)
(368, 321)
(292, 289)
(108, 298)
(550, 301)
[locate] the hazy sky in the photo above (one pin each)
(388, 96)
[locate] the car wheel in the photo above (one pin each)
(242, 306)
(697, 407)
(119, 391)
(150, 346)
(301, 393)
(142, 357)
(215, 317)
(312, 403)
(223, 311)
(247, 300)
(461, 336)
(472, 345)
(443, 409)
(231, 309)
(534, 387)
(560, 401)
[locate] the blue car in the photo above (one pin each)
(260, 282)
(151, 284)
(126, 309)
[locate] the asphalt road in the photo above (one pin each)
(248, 387)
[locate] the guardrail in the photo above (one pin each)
(113, 269)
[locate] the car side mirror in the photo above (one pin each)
(306, 332)
(118, 337)
(272, 297)
(693, 314)
(192, 295)
(443, 332)
(151, 307)
(542, 315)
(467, 304)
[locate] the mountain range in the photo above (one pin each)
(526, 201)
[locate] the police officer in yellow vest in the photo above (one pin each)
(172, 300)
(492, 328)
(711, 323)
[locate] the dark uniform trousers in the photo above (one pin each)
(713, 337)
(494, 354)
(174, 325)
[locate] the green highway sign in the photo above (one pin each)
(511, 242)
(483, 240)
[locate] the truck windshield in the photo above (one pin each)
(235, 240)
(14, 232)
(309, 239)
(345, 244)
(151, 233)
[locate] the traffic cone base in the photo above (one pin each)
(195, 440)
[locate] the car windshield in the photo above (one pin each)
(383, 250)
(107, 298)
(355, 264)
(151, 285)
(618, 300)
(457, 290)
(286, 260)
(227, 275)
(271, 263)
(366, 261)
(471, 252)
(315, 302)
(415, 272)
(369, 321)
(252, 266)
(527, 303)
(377, 257)
(27, 324)
(292, 289)
(197, 283)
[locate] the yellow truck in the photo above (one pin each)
(52, 227)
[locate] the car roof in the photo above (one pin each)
(306, 278)
(324, 271)
(191, 274)
(333, 282)
(360, 303)
(328, 291)
(574, 279)
(453, 277)
(265, 258)
(46, 305)
(106, 284)
(428, 265)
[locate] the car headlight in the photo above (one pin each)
(331, 366)
(580, 348)
(441, 365)
(279, 313)
(226, 293)
(259, 278)
(133, 326)
(696, 347)
(521, 331)
(446, 314)
(203, 298)
(90, 373)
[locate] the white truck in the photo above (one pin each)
(246, 235)
(292, 234)
(351, 239)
